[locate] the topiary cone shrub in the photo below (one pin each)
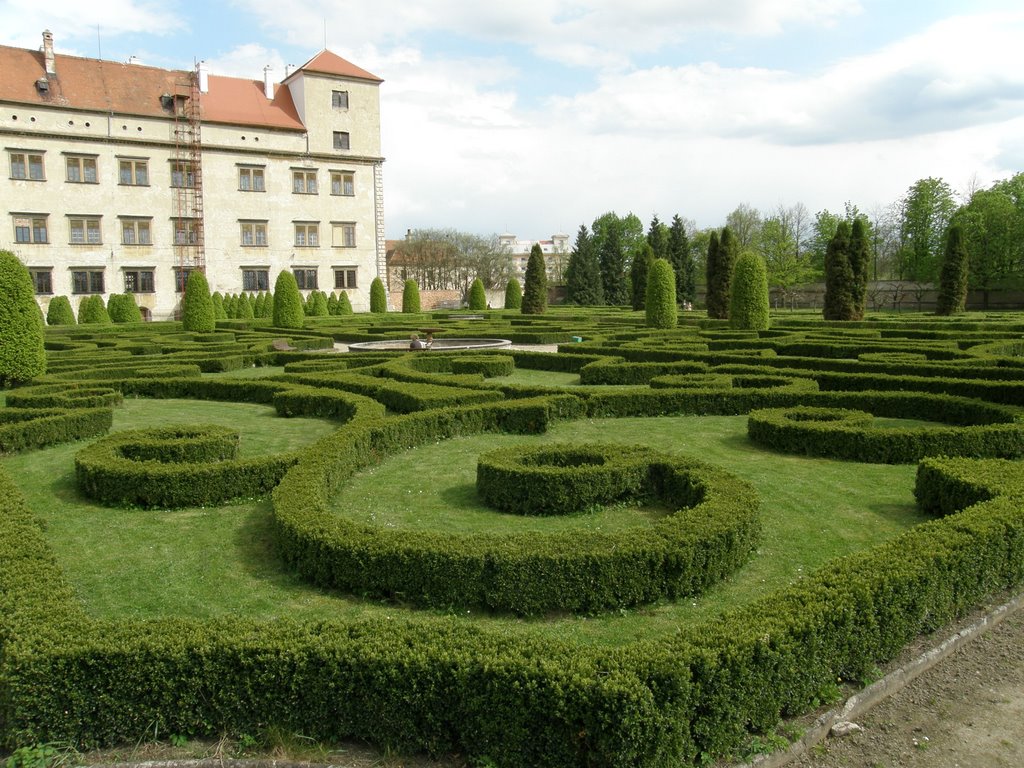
(378, 297)
(59, 312)
(197, 313)
(410, 297)
(288, 312)
(748, 308)
(660, 296)
(513, 294)
(22, 356)
(477, 296)
(535, 292)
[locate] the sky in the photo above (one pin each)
(536, 116)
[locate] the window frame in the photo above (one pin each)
(307, 278)
(187, 235)
(342, 275)
(135, 166)
(136, 228)
(306, 228)
(348, 234)
(342, 140)
(181, 277)
(343, 183)
(79, 162)
(26, 164)
(145, 281)
(87, 281)
(86, 230)
(253, 226)
(38, 272)
(29, 234)
(183, 174)
(340, 100)
(255, 279)
(252, 172)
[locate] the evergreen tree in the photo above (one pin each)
(218, 306)
(319, 301)
(245, 307)
(839, 301)
(477, 296)
(22, 355)
(92, 311)
(197, 305)
(513, 294)
(268, 305)
(657, 238)
(720, 267)
(638, 275)
(257, 304)
(681, 259)
(332, 304)
(410, 297)
(59, 312)
(344, 304)
(860, 260)
(613, 268)
(748, 309)
(660, 309)
(378, 297)
(583, 274)
(535, 291)
(123, 309)
(953, 277)
(287, 302)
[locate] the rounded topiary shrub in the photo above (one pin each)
(92, 311)
(123, 309)
(477, 295)
(748, 308)
(378, 297)
(60, 312)
(288, 312)
(513, 294)
(22, 356)
(197, 313)
(660, 299)
(344, 304)
(410, 297)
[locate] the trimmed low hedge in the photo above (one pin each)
(175, 467)
(946, 485)
(27, 428)
(846, 434)
(64, 396)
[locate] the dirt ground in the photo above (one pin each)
(966, 712)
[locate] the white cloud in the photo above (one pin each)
(248, 61)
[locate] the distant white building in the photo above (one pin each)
(556, 255)
(117, 177)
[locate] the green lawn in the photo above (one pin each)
(222, 561)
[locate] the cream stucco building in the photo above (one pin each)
(121, 177)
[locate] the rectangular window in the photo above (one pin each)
(345, 277)
(81, 170)
(343, 235)
(307, 235)
(84, 230)
(42, 280)
(133, 173)
(138, 281)
(183, 174)
(339, 99)
(343, 183)
(304, 182)
(87, 281)
(27, 165)
(186, 231)
(30, 229)
(254, 233)
(255, 280)
(341, 140)
(136, 232)
(251, 180)
(306, 279)
(181, 278)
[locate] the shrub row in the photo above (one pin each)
(174, 467)
(398, 396)
(846, 434)
(63, 396)
(616, 371)
(946, 485)
(26, 428)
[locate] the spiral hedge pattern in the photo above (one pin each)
(435, 682)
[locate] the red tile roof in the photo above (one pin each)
(329, 63)
(134, 89)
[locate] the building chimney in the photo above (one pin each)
(51, 67)
(288, 69)
(268, 85)
(204, 77)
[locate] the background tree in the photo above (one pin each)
(92, 311)
(711, 300)
(638, 270)
(721, 265)
(535, 291)
(657, 238)
(954, 274)
(123, 309)
(838, 303)
(681, 260)
(748, 308)
(925, 213)
(378, 297)
(478, 294)
(22, 356)
(745, 225)
(59, 312)
(583, 274)
(860, 263)
(410, 297)
(446, 259)
(288, 311)
(660, 310)
(197, 305)
(513, 294)
(782, 244)
(613, 268)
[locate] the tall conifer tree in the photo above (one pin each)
(953, 276)
(535, 289)
(583, 274)
(839, 297)
(638, 271)
(681, 259)
(613, 268)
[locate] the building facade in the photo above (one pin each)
(556, 255)
(125, 178)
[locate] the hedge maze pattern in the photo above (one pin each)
(421, 681)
